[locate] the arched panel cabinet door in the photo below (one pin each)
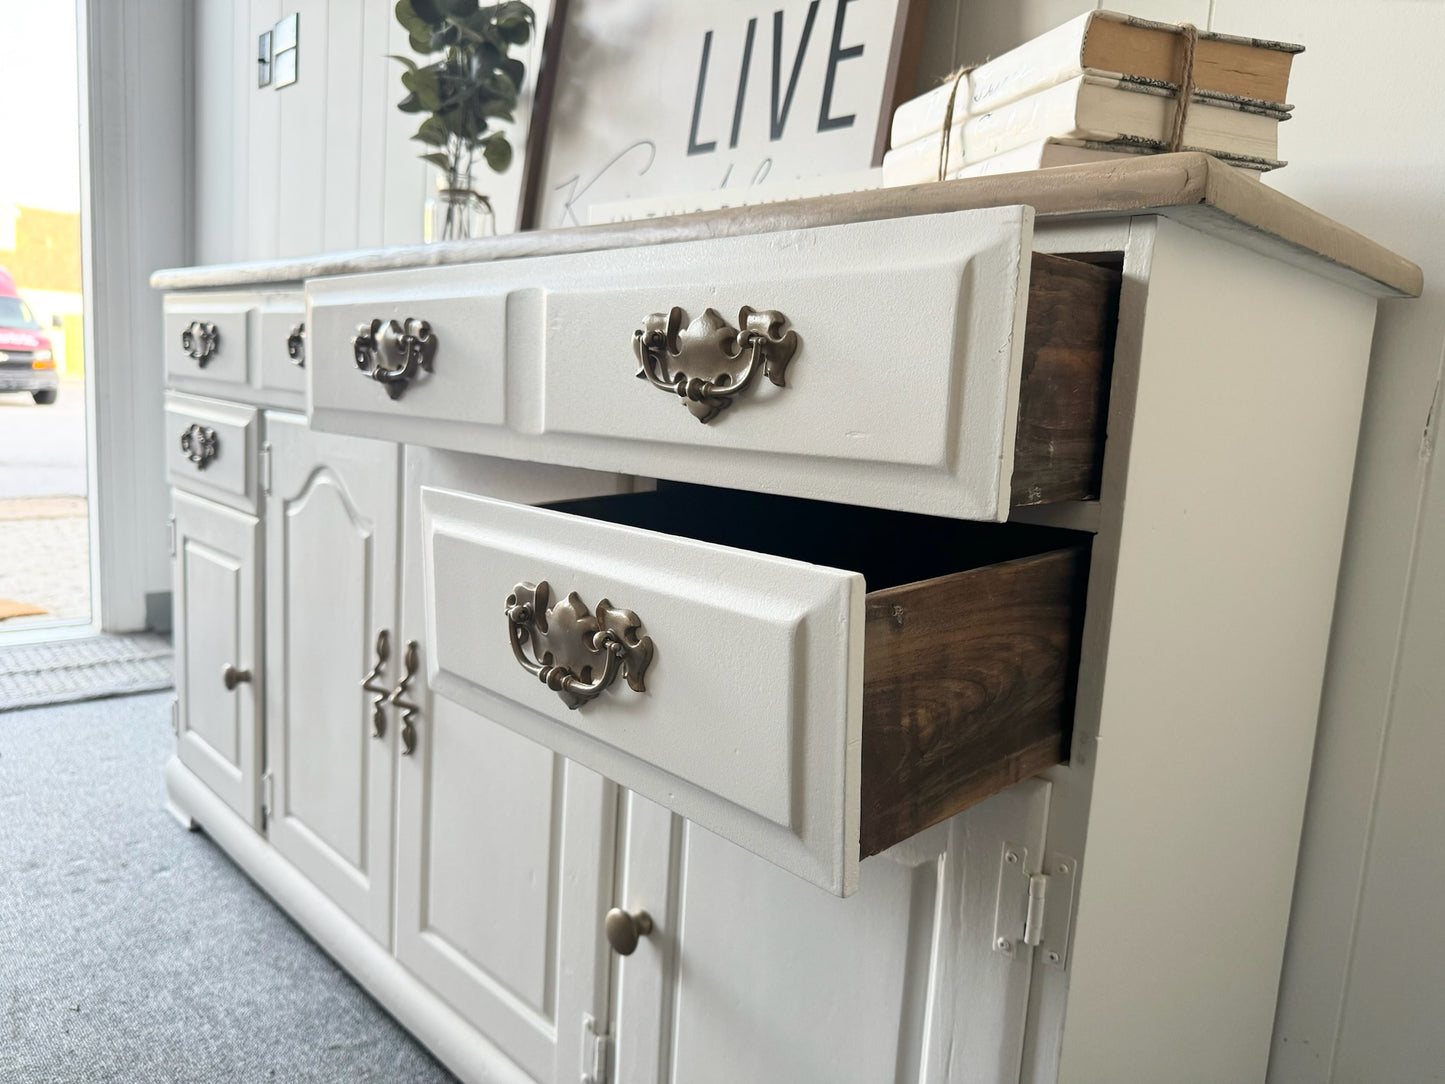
(331, 572)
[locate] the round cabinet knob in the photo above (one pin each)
(624, 928)
(233, 677)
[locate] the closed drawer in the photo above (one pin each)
(930, 364)
(280, 343)
(403, 354)
(814, 682)
(206, 340)
(211, 449)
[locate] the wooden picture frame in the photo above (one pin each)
(650, 97)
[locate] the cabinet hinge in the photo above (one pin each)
(176, 716)
(1035, 907)
(265, 455)
(171, 534)
(268, 796)
(596, 1052)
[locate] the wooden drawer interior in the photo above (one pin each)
(971, 636)
(1068, 354)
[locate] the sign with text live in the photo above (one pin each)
(655, 97)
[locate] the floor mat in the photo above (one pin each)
(63, 671)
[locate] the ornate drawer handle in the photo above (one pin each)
(200, 340)
(200, 445)
(731, 359)
(393, 352)
(381, 692)
(296, 345)
(576, 654)
(406, 707)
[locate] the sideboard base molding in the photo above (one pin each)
(454, 1042)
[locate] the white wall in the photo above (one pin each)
(326, 163)
(1363, 994)
(321, 165)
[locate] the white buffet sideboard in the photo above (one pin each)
(875, 637)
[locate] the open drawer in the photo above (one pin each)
(932, 364)
(814, 682)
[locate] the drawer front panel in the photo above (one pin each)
(466, 383)
(874, 363)
(905, 350)
(749, 719)
(279, 317)
(211, 449)
(206, 340)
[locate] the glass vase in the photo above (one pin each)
(458, 213)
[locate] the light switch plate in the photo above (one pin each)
(285, 37)
(284, 44)
(285, 66)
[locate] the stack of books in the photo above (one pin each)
(1101, 86)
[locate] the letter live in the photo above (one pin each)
(781, 100)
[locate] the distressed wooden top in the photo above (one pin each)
(1191, 187)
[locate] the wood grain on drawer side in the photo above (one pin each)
(1064, 385)
(968, 688)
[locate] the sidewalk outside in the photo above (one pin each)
(44, 528)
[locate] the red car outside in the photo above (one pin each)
(27, 358)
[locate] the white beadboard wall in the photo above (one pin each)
(1363, 992)
(321, 165)
(327, 164)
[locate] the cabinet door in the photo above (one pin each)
(331, 551)
(504, 848)
(217, 625)
(752, 974)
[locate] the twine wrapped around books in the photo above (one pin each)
(958, 77)
(1186, 85)
(1175, 142)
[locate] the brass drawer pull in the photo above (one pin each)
(393, 353)
(726, 359)
(200, 445)
(231, 677)
(381, 692)
(576, 654)
(200, 340)
(296, 345)
(406, 707)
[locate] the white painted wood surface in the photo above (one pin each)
(226, 369)
(750, 974)
(277, 314)
(217, 589)
(331, 538)
(467, 386)
(1229, 525)
(903, 392)
(229, 476)
(750, 723)
(504, 849)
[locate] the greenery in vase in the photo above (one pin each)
(472, 86)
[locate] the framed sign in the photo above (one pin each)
(654, 97)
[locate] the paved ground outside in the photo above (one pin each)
(44, 533)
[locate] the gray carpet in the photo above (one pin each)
(134, 951)
(62, 671)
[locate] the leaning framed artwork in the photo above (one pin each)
(657, 98)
